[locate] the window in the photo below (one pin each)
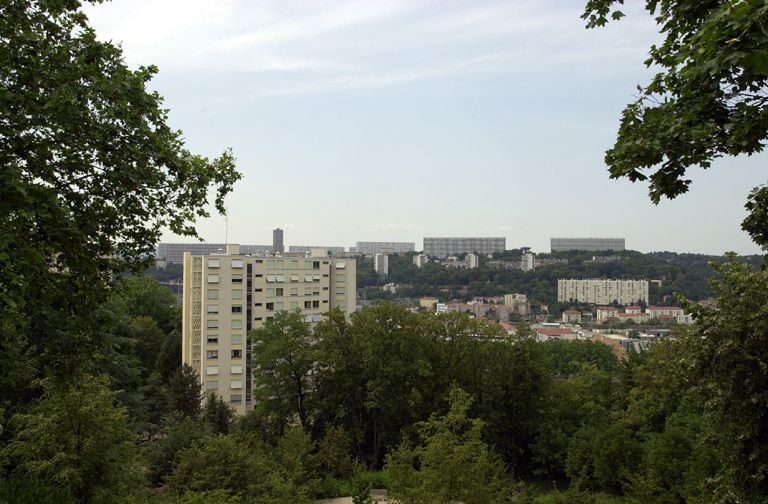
(236, 398)
(315, 278)
(280, 278)
(259, 290)
(316, 291)
(294, 305)
(294, 264)
(236, 370)
(325, 275)
(279, 292)
(237, 308)
(237, 354)
(212, 385)
(294, 278)
(256, 318)
(213, 293)
(236, 324)
(213, 278)
(279, 264)
(325, 288)
(213, 263)
(307, 291)
(258, 275)
(213, 308)
(212, 324)
(237, 293)
(341, 291)
(213, 339)
(315, 264)
(307, 278)
(271, 278)
(341, 265)
(270, 318)
(237, 278)
(294, 291)
(339, 278)
(271, 306)
(236, 384)
(307, 304)
(325, 301)
(212, 354)
(270, 264)
(212, 370)
(258, 261)
(237, 339)
(270, 292)
(278, 306)
(237, 263)
(258, 304)
(315, 304)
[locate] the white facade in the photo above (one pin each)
(420, 260)
(602, 291)
(528, 261)
(381, 264)
(588, 244)
(373, 248)
(472, 260)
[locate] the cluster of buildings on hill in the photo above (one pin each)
(436, 247)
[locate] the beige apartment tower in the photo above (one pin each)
(602, 291)
(227, 295)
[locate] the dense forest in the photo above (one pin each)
(434, 407)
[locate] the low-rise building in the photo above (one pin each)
(572, 316)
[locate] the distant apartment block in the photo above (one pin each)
(304, 249)
(227, 295)
(528, 261)
(518, 303)
(602, 291)
(420, 260)
(444, 247)
(587, 244)
(381, 264)
(472, 260)
(277, 241)
(174, 252)
(373, 248)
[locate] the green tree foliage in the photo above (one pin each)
(217, 415)
(76, 438)
(283, 358)
(708, 100)
(450, 464)
(185, 390)
(180, 432)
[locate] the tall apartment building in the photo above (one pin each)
(528, 261)
(381, 264)
(174, 252)
(602, 291)
(444, 247)
(587, 244)
(303, 249)
(227, 295)
(419, 260)
(517, 303)
(277, 241)
(373, 248)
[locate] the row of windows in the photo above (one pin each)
(214, 308)
(235, 339)
(214, 354)
(214, 370)
(236, 278)
(214, 294)
(233, 324)
(216, 263)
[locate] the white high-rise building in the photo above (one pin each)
(420, 260)
(602, 291)
(528, 261)
(381, 264)
(472, 260)
(373, 248)
(227, 295)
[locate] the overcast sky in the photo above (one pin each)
(394, 120)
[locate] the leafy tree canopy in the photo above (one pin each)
(709, 99)
(91, 170)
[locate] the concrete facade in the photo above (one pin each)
(444, 247)
(602, 291)
(588, 244)
(227, 295)
(373, 248)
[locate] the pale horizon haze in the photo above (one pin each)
(393, 120)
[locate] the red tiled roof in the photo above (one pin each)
(554, 331)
